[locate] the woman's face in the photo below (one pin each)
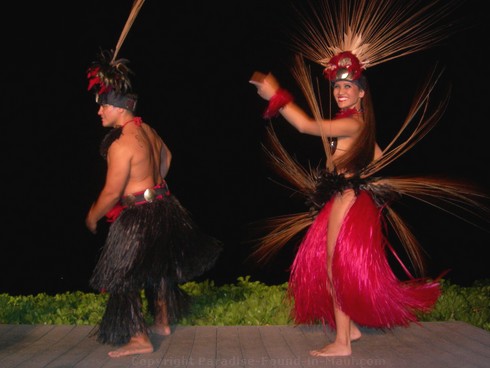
(347, 95)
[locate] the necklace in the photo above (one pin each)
(347, 113)
(137, 120)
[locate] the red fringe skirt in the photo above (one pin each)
(363, 283)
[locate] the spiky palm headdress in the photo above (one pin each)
(347, 37)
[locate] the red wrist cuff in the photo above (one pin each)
(278, 101)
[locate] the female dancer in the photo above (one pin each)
(340, 275)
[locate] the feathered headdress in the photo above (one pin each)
(110, 81)
(105, 75)
(109, 77)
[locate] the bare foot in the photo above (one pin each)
(334, 349)
(355, 333)
(137, 345)
(159, 329)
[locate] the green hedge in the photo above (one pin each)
(244, 303)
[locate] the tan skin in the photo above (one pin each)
(347, 95)
(138, 160)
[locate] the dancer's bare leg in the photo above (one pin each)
(161, 325)
(346, 329)
(139, 344)
(341, 345)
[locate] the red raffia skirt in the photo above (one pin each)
(363, 283)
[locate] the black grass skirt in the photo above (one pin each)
(153, 246)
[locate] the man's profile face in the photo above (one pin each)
(108, 115)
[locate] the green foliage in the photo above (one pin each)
(244, 303)
(75, 308)
(467, 304)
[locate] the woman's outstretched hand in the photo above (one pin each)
(267, 85)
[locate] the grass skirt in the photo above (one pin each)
(363, 284)
(153, 246)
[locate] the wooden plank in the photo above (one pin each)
(278, 350)
(78, 345)
(253, 350)
(60, 342)
(21, 342)
(428, 345)
(96, 357)
(450, 340)
(228, 349)
(4, 331)
(53, 344)
(180, 347)
(203, 351)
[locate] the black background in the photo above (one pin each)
(192, 61)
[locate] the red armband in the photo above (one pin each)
(277, 102)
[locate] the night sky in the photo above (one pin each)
(192, 61)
